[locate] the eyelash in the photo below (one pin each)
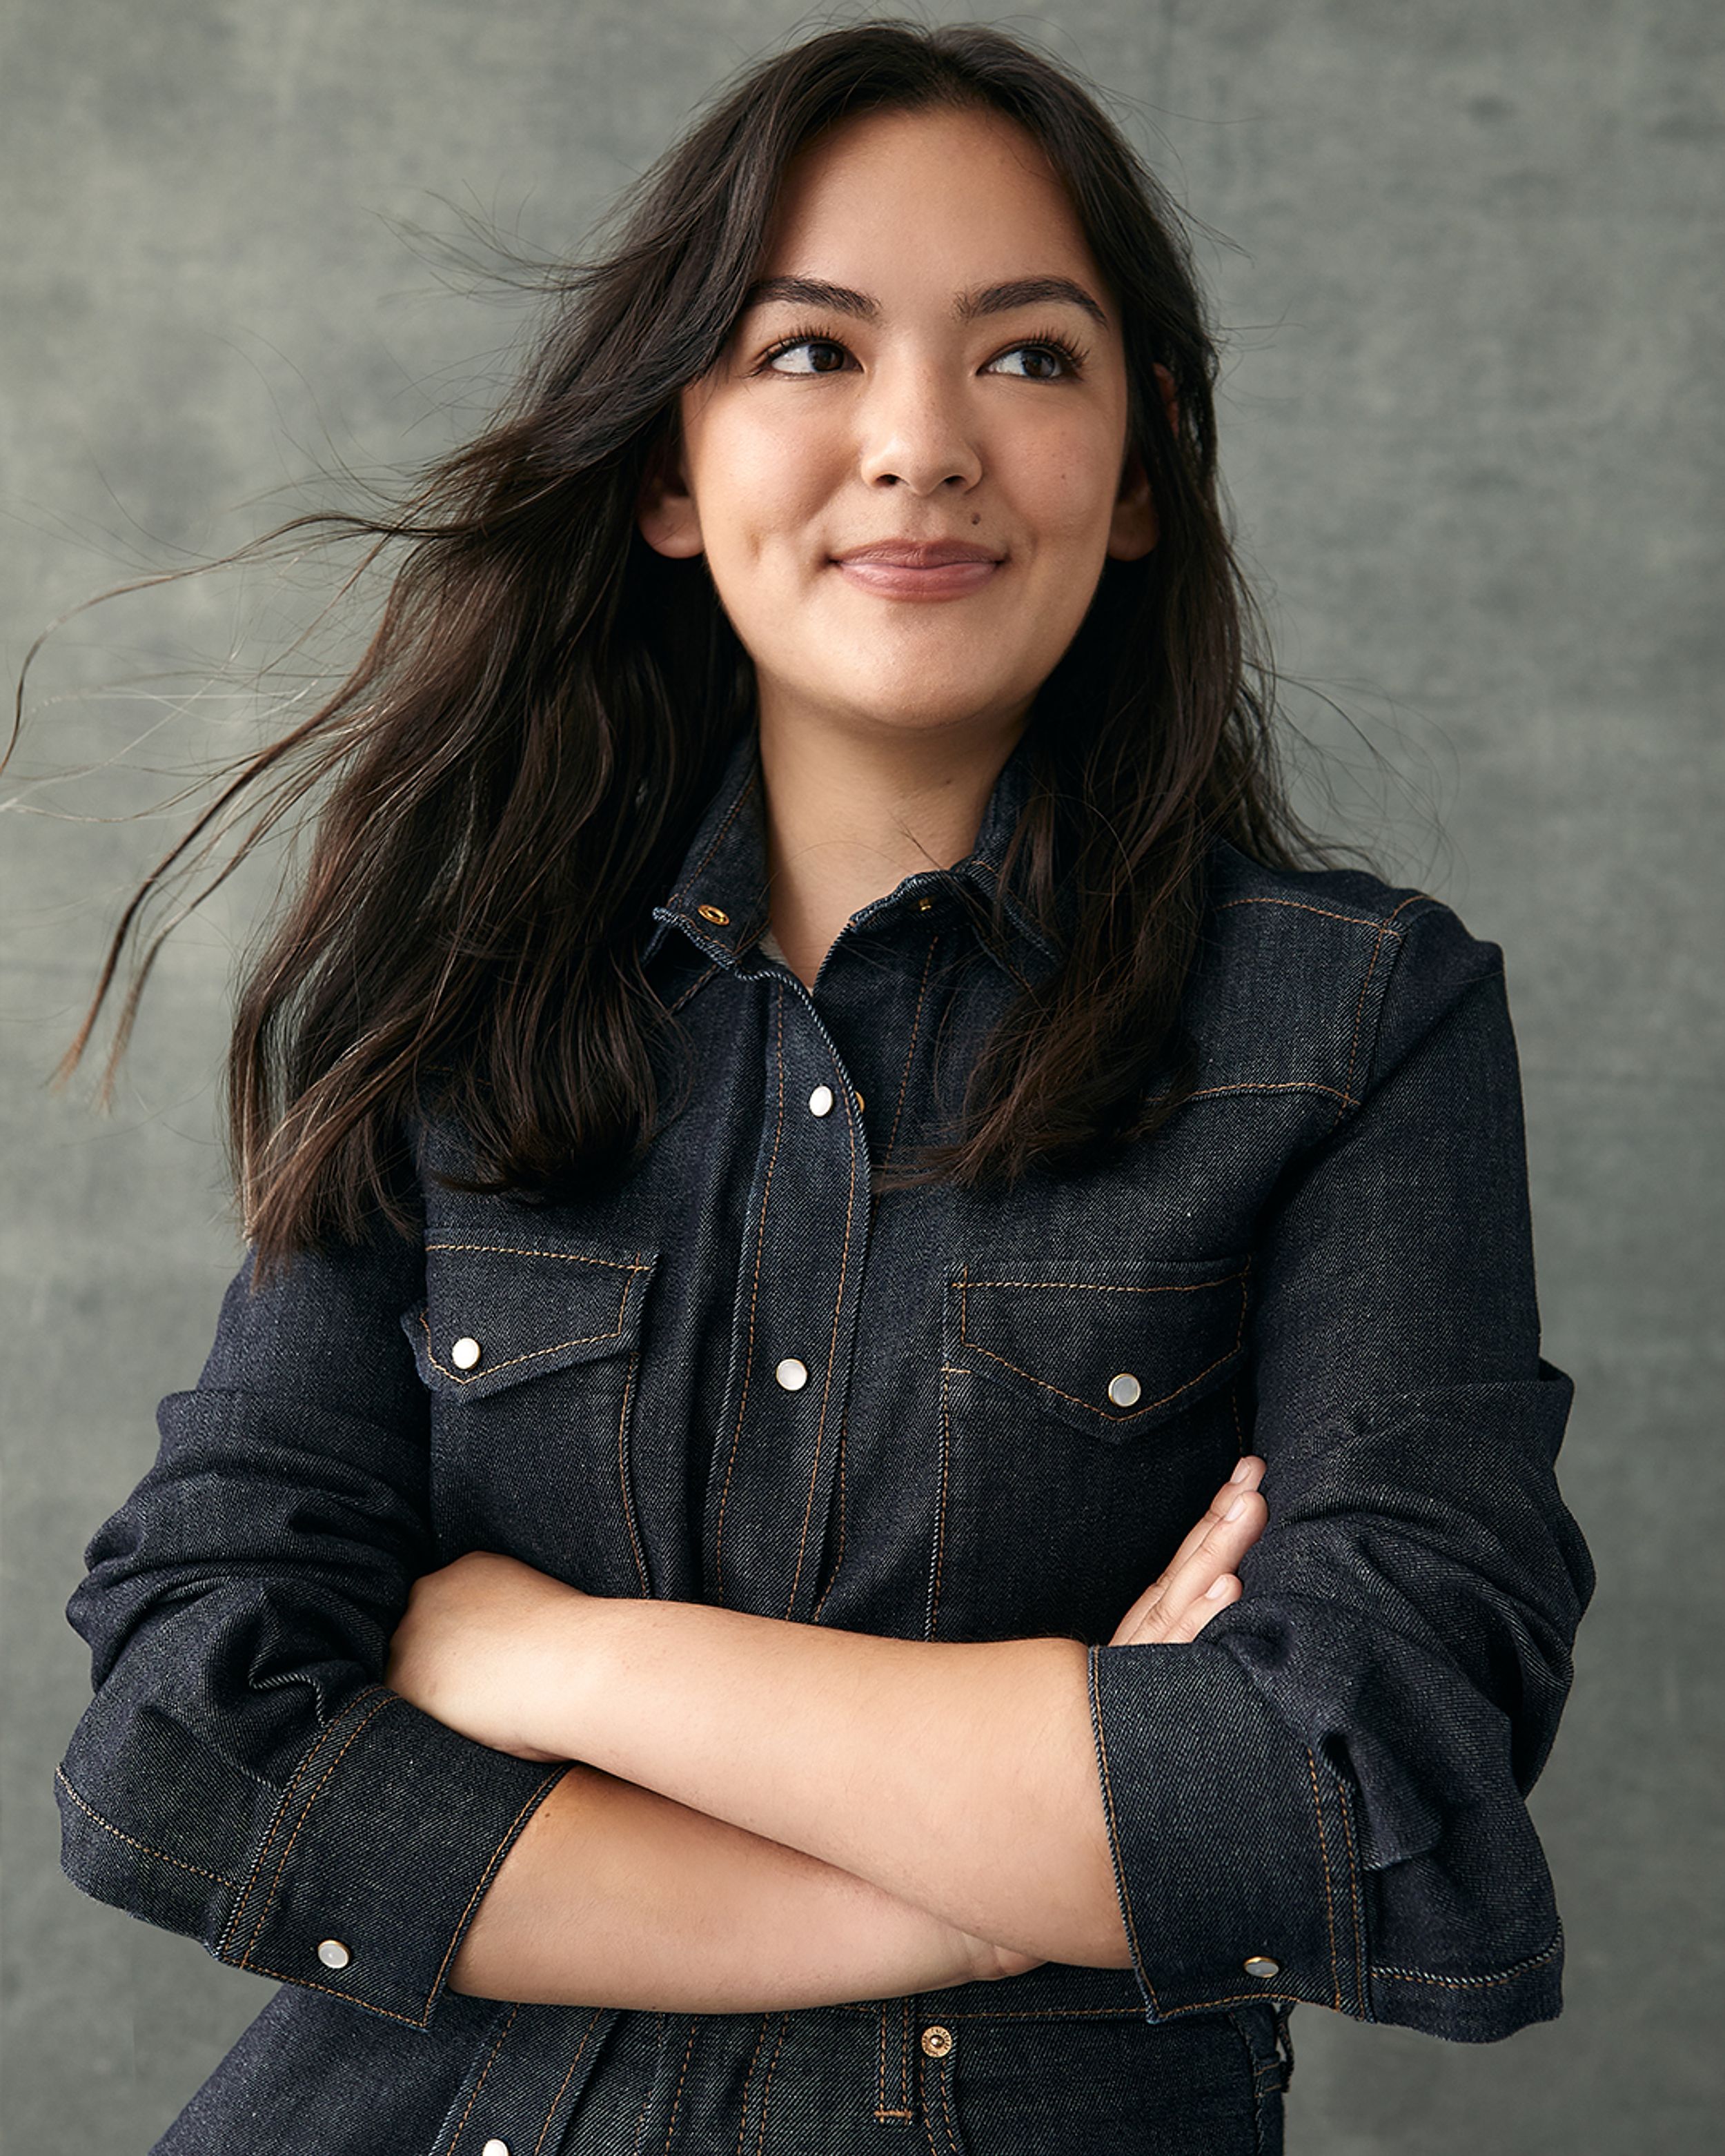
(1075, 355)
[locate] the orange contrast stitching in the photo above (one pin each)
(484, 2071)
(1102, 1288)
(826, 1395)
(694, 988)
(537, 1354)
(566, 1257)
(1395, 934)
(670, 2124)
(1233, 1999)
(748, 1360)
(1329, 1899)
(910, 1052)
(348, 1999)
(940, 1510)
(389, 1699)
(1300, 905)
(767, 2086)
(1359, 1944)
(485, 1878)
(324, 1738)
(219, 1878)
(586, 2038)
(628, 1502)
(1126, 1898)
(943, 2078)
(719, 836)
(748, 2080)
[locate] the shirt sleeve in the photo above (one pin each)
(1322, 1798)
(241, 1773)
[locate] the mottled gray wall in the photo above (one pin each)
(1472, 433)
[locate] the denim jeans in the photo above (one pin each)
(909, 2074)
(1002, 1412)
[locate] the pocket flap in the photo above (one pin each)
(1111, 1346)
(496, 1313)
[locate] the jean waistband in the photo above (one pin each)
(1053, 1989)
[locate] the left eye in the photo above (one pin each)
(1048, 361)
(810, 346)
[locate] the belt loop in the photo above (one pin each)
(894, 2103)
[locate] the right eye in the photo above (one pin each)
(825, 356)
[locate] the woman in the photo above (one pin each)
(811, 1108)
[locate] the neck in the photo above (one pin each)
(850, 816)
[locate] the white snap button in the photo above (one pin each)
(493, 2147)
(332, 1954)
(464, 1354)
(1125, 1390)
(792, 1374)
(936, 2041)
(820, 1100)
(1261, 1965)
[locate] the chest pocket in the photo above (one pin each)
(1111, 1348)
(530, 1354)
(498, 1313)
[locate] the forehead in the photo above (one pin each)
(951, 196)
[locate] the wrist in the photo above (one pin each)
(569, 1660)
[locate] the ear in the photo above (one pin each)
(665, 507)
(1135, 527)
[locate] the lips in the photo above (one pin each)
(919, 553)
(919, 568)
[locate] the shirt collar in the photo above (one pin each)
(719, 898)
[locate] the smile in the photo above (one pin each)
(940, 573)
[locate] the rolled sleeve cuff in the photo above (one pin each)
(377, 1855)
(1233, 1848)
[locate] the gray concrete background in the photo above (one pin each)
(1472, 433)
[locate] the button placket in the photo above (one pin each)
(774, 1475)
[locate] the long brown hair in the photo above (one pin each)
(510, 776)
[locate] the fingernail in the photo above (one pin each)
(1235, 1509)
(1217, 1588)
(1242, 1469)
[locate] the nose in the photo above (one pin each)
(916, 433)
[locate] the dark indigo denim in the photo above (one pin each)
(1326, 1257)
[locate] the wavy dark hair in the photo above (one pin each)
(507, 780)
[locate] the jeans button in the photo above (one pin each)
(936, 2041)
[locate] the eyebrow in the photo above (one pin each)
(967, 307)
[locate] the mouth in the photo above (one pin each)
(920, 569)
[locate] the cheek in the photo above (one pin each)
(1064, 480)
(763, 484)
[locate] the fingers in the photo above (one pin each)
(1201, 1579)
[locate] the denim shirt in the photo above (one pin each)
(742, 1378)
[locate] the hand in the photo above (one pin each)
(1200, 1579)
(484, 1646)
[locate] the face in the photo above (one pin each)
(896, 387)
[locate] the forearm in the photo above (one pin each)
(614, 1895)
(960, 1778)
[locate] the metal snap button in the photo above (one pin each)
(936, 2041)
(1125, 1390)
(792, 1374)
(716, 914)
(820, 1100)
(925, 905)
(332, 1954)
(1262, 1965)
(465, 1354)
